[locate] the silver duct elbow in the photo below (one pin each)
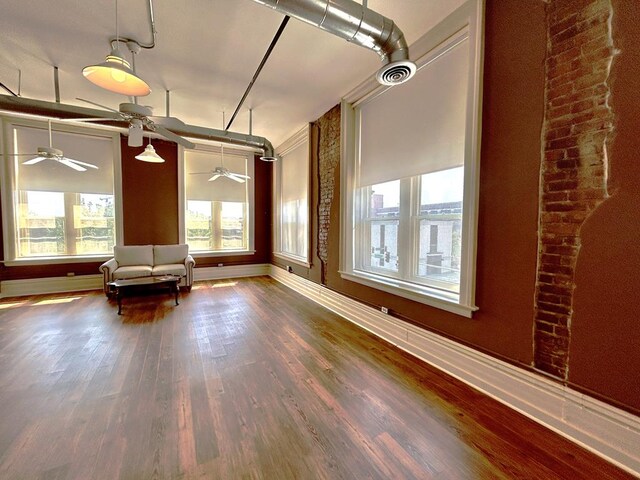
(269, 154)
(357, 24)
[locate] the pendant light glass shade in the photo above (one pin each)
(150, 155)
(115, 74)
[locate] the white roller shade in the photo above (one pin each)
(221, 190)
(294, 207)
(295, 173)
(417, 127)
(52, 176)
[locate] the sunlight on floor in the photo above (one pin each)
(216, 285)
(4, 306)
(53, 301)
(225, 284)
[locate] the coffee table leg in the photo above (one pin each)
(119, 298)
(177, 292)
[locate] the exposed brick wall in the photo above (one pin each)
(328, 161)
(577, 123)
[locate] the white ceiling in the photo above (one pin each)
(206, 53)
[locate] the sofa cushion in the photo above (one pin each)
(167, 254)
(169, 269)
(133, 255)
(132, 271)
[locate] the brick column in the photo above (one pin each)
(328, 161)
(577, 123)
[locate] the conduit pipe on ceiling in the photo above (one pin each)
(61, 110)
(357, 24)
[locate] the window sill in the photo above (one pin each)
(221, 253)
(418, 293)
(292, 259)
(57, 260)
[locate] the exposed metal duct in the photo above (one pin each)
(61, 110)
(357, 24)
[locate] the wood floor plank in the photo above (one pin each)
(245, 379)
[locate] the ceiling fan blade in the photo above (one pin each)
(234, 178)
(98, 105)
(239, 175)
(173, 137)
(18, 154)
(33, 161)
(215, 177)
(168, 122)
(78, 162)
(68, 163)
(201, 173)
(101, 119)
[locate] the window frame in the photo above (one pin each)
(214, 148)
(467, 21)
(8, 181)
(299, 138)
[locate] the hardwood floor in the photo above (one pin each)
(245, 379)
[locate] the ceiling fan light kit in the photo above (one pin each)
(116, 75)
(150, 155)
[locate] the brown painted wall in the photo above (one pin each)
(150, 196)
(605, 341)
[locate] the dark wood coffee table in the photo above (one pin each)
(121, 287)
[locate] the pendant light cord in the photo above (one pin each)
(117, 31)
(222, 145)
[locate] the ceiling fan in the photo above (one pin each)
(138, 117)
(50, 153)
(222, 171)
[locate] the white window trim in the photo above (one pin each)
(467, 20)
(8, 181)
(304, 134)
(182, 199)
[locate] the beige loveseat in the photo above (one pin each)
(133, 261)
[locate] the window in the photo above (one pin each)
(217, 213)
(57, 213)
(410, 175)
(291, 199)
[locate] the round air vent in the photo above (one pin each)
(395, 73)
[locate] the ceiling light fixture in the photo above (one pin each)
(115, 73)
(149, 154)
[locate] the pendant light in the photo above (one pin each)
(149, 154)
(115, 73)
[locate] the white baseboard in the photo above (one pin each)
(38, 286)
(605, 430)
(231, 271)
(41, 286)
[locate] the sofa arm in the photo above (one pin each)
(189, 263)
(107, 269)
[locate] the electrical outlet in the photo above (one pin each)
(384, 309)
